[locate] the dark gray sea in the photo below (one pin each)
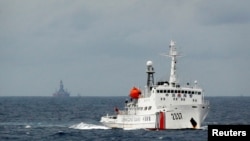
(77, 119)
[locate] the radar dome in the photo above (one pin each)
(195, 82)
(149, 63)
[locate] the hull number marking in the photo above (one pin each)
(176, 116)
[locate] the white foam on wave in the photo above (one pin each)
(132, 128)
(204, 127)
(86, 126)
(27, 126)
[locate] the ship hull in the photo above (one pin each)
(172, 117)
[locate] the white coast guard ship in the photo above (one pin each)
(164, 105)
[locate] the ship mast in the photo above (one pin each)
(150, 79)
(150, 71)
(173, 54)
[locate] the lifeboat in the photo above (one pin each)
(135, 93)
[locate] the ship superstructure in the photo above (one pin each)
(164, 105)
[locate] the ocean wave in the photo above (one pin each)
(86, 126)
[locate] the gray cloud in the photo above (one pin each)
(223, 12)
(100, 48)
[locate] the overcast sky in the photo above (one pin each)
(100, 47)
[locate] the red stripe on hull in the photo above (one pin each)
(162, 120)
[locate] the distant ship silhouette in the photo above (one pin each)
(61, 92)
